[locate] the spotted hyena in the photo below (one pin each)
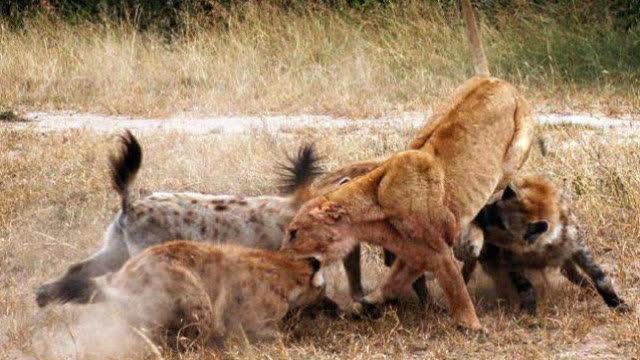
(201, 291)
(532, 227)
(250, 221)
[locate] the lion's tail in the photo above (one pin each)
(473, 34)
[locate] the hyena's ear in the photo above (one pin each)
(509, 193)
(488, 216)
(535, 229)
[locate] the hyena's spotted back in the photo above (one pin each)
(248, 221)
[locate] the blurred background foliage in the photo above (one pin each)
(172, 15)
(292, 55)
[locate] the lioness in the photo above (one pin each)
(418, 202)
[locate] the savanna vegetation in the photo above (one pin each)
(351, 58)
(344, 58)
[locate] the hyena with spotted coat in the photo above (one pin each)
(533, 227)
(257, 221)
(196, 291)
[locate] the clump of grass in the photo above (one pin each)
(11, 116)
(259, 58)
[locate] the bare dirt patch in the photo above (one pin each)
(61, 121)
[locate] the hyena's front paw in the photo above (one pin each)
(479, 332)
(371, 311)
(360, 310)
(43, 295)
(623, 308)
(324, 306)
(529, 306)
(267, 335)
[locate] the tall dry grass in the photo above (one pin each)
(261, 59)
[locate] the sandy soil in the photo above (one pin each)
(44, 121)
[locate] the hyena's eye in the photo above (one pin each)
(502, 224)
(292, 234)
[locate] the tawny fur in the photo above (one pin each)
(467, 248)
(533, 227)
(417, 203)
(206, 292)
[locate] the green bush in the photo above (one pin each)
(169, 14)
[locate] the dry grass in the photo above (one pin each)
(11, 116)
(262, 59)
(56, 202)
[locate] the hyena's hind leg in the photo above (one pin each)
(602, 282)
(571, 272)
(192, 320)
(109, 258)
(192, 323)
(354, 276)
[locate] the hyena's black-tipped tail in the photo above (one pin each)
(297, 174)
(124, 166)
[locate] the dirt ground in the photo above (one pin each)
(56, 202)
